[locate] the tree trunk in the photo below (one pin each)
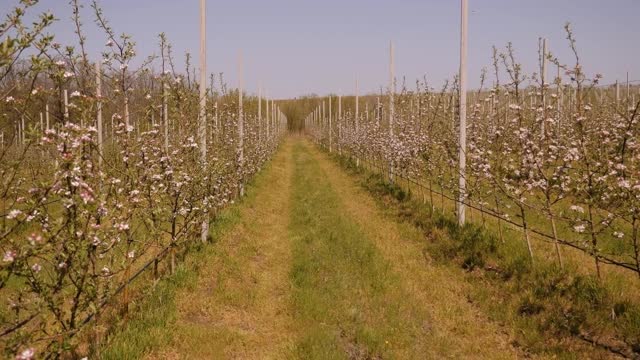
(594, 241)
(555, 238)
(636, 251)
(526, 232)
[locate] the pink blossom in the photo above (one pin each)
(27, 354)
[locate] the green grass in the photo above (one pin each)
(608, 245)
(146, 329)
(346, 298)
(154, 321)
(150, 325)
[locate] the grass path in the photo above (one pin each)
(239, 308)
(459, 330)
(311, 268)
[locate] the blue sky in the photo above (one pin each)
(297, 47)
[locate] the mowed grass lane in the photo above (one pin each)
(312, 269)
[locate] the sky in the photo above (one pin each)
(300, 47)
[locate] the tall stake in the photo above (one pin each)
(357, 118)
(391, 89)
(628, 89)
(99, 110)
(203, 105)
(339, 121)
(66, 105)
(241, 126)
(391, 109)
(259, 112)
(357, 104)
(22, 132)
(543, 74)
(463, 111)
(330, 127)
(46, 115)
(165, 115)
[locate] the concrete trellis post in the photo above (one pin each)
(323, 117)
(259, 113)
(127, 116)
(628, 88)
(24, 137)
(165, 116)
(330, 127)
(267, 114)
(391, 105)
(202, 123)
(66, 105)
(357, 119)
(240, 128)
(339, 121)
(357, 114)
(46, 115)
(366, 111)
(391, 89)
(272, 122)
(463, 112)
(216, 123)
(339, 109)
(543, 74)
(99, 111)
(559, 92)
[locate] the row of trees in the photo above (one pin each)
(103, 176)
(558, 158)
